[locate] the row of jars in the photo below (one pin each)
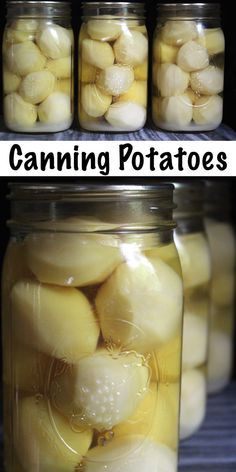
(113, 51)
(96, 338)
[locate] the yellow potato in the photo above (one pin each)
(171, 80)
(209, 81)
(19, 112)
(23, 58)
(97, 54)
(177, 111)
(14, 36)
(94, 101)
(157, 110)
(192, 56)
(55, 109)
(104, 30)
(164, 53)
(141, 71)
(223, 288)
(178, 32)
(83, 34)
(64, 86)
(213, 40)
(54, 41)
(115, 80)
(84, 118)
(130, 304)
(11, 81)
(35, 87)
(131, 48)
(195, 341)
(165, 362)
(87, 73)
(195, 259)
(208, 110)
(45, 440)
(192, 96)
(137, 93)
(84, 259)
(29, 24)
(58, 321)
(61, 68)
(193, 402)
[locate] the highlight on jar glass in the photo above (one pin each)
(221, 238)
(188, 67)
(92, 329)
(38, 59)
(113, 67)
(194, 253)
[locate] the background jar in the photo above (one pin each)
(192, 245)
(91, 355)
(38, 58)
(222, 245)
(113, 67)
(188, 67)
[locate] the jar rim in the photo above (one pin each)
(199, 10)
(35, 3)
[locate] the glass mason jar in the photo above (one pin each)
(188, 67)
(192, 245)
(222, 245)
(92, 329)
(113, 67)
(38, 58)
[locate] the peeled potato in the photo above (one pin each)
(208, 110)
(177, 111)
(45, 440)
(54, 41)
(88, 73)
(35, 87)
(195, 341)
(192, 95)
(85, 119)
(126, 116)
(222, 245)
(104, 30)
(141, 71)
(84, 260)
(223, 288)
(165, 362)
(102, 389)
(55, 109)
(61, 68)
(131, 303)
(129, 454)
(193, 402)
(12, 35)
(171, 80)
(213, 40)
(176, 33)
(11, 81)
(192, 57)
(209, 81)
(157, 109)
(97, 54)
(29, 24)
(94, 101)
(137, 93)
(220, 360)
(195, 259)
(19, 112)
(23, 58)
(164, 52)
(64, 86)
(58, 321)
(116, 79)
(131, 48)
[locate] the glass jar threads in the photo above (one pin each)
(38, 67)
(188, 67)
(222, 295)
(113, 67)
(192, 245)
(92, 363)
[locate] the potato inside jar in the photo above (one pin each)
(38, 75)
(113, 70)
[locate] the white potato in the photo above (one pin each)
(209, 81)
(97, 54)
(220, 361)
(222, 245)
(61, 68)
(126, 116)
(177, 111)
(171, 80)
(137, 93)
(208, 110)
(192, 57)
(131, 303)
(131, 454)
(54, 41)
(193, 402)
(26, 25)
(101, 390)
(18, 112)
(35, 87)
(45, 440)
(11, 81)
(12, 36)
(116, 79)
(55, 109)
(94, 101)
(178, 32)
(84, 259)
(195, 341)
(23, 58)
(213, 40)
(131, 48)
(104, 29)
(58, 321)
(195, 259)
